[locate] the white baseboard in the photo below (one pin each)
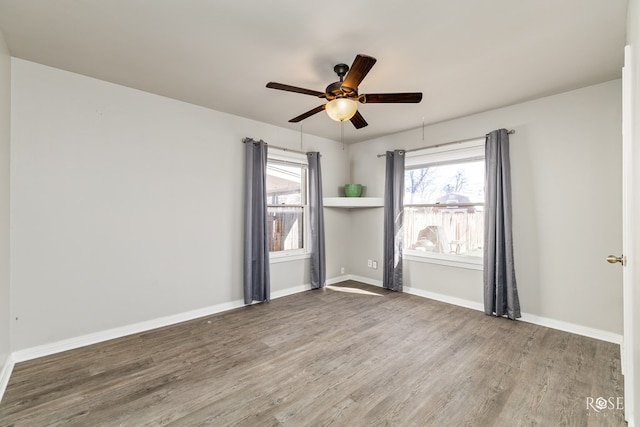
(572, 328)
(290, 291)
(338, 279)
(529, 318)
(84, 340)
(136, 328)
(366, 280)
(5, 375)
(444, 298)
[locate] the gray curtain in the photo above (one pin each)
(500, 292)
(316, 220)
(256, 239)
(393, 206)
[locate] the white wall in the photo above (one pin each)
(127, 206)
(566, 160)
(5, 134)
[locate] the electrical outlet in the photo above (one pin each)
(369, 263)
(341, 270)
(375, 265)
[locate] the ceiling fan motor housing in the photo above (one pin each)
(336, 90)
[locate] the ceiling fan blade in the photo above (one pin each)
(359, 69)
(390, 98)
(307, 114)
(288, 88)
(358, 121)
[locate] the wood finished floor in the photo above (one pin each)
(348, 355)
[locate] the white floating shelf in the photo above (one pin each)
(353, 202)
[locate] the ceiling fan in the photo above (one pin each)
(343, 95)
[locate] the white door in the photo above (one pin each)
(630, 211)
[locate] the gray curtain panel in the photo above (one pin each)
(500, 292)
(393, 208)
(256, 239)
(316, 220)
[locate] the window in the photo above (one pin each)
(286, 203)
(444, 202)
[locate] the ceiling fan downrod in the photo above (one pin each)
(341, 70)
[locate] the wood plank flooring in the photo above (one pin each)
(348, 355)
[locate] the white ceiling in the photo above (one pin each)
(466, 56)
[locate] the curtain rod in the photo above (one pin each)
(285, 149)
(460, 141)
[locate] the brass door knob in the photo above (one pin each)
(613, 259)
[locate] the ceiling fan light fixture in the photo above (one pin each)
(341, 109)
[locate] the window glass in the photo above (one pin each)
(286, 203)
(444, 205)
(445, 183)
(285, 228)
(284, 183)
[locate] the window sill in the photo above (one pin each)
(459, 261)
(275, 258)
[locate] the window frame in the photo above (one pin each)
(284, 157)
(450, 154)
